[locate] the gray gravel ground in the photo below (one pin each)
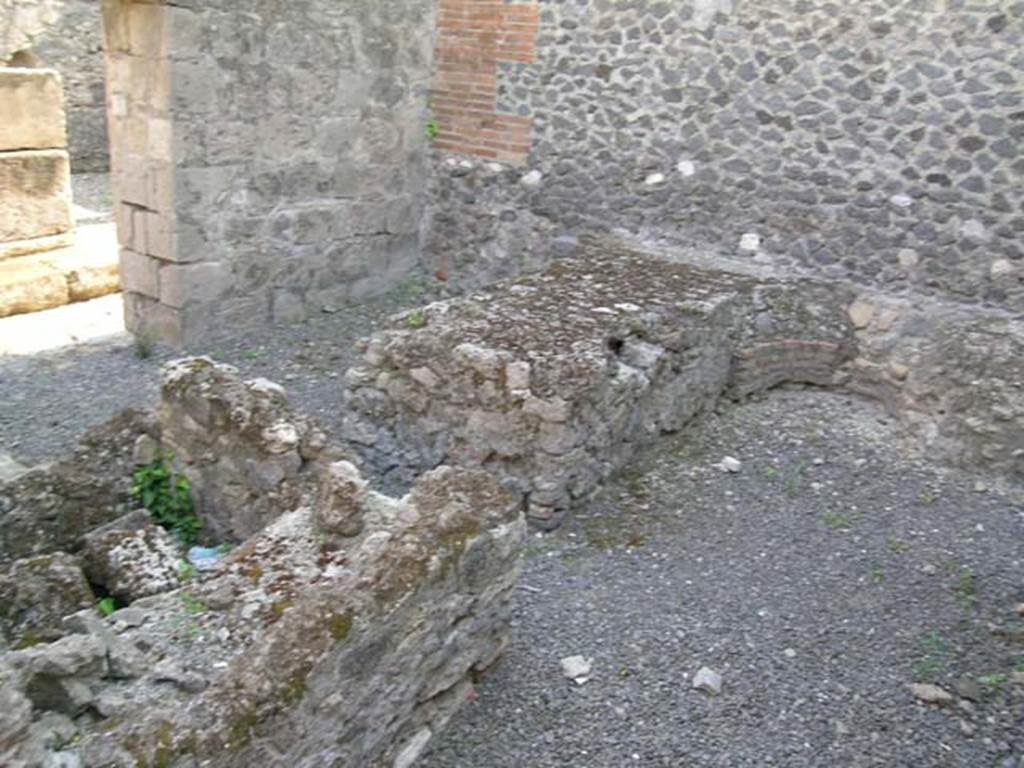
(48, 400)
(90, 192)
(818, 591)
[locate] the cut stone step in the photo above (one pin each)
(86, 270)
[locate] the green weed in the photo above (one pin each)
(192, 603)
(416, 319)
(796, 477)
(144, 343)
(994, 683)
(187, 571)
(898, 545)
(966, 587)
(106, 606)
(932, 665)
(167, 497)
(836, 521)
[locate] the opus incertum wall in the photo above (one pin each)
(875, 140)
(267, 158)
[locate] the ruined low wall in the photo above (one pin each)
(346, 631)
(553, 381)
(954, 375)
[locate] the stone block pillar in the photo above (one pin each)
(267, 159)
(142, 169)
(35, 182)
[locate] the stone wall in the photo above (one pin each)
(24, 21)
(880, 141)
(262, 174)
(553, 381)
(346, 630)
(65, 35)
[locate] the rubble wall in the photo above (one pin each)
(346, 630)
(554, 381)
(873, 141)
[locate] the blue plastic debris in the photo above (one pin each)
(204, 558)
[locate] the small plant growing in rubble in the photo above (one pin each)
(433, 129)
(106, 606)
(167, 497)
(416, 319)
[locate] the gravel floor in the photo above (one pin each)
(48, 400)
(93, 202)
(820, 580)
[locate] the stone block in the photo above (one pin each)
(140, 273)
(37, 593)
(90, 278)
(147, 316)
(201, 283)
(35, 194)
(29, 284)
(132, 564)
(32, 105)
(16, 248)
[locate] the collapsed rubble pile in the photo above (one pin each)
(344, 628)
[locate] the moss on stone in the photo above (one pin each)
(278, 608)
(164, 753)
(340, 624)
(240, 731)
(27, 640)
(295, 688)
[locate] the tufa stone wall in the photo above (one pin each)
(879, 141)
(65, 35)
(262, 174)
(24, 21)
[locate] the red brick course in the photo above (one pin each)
(473, 36)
